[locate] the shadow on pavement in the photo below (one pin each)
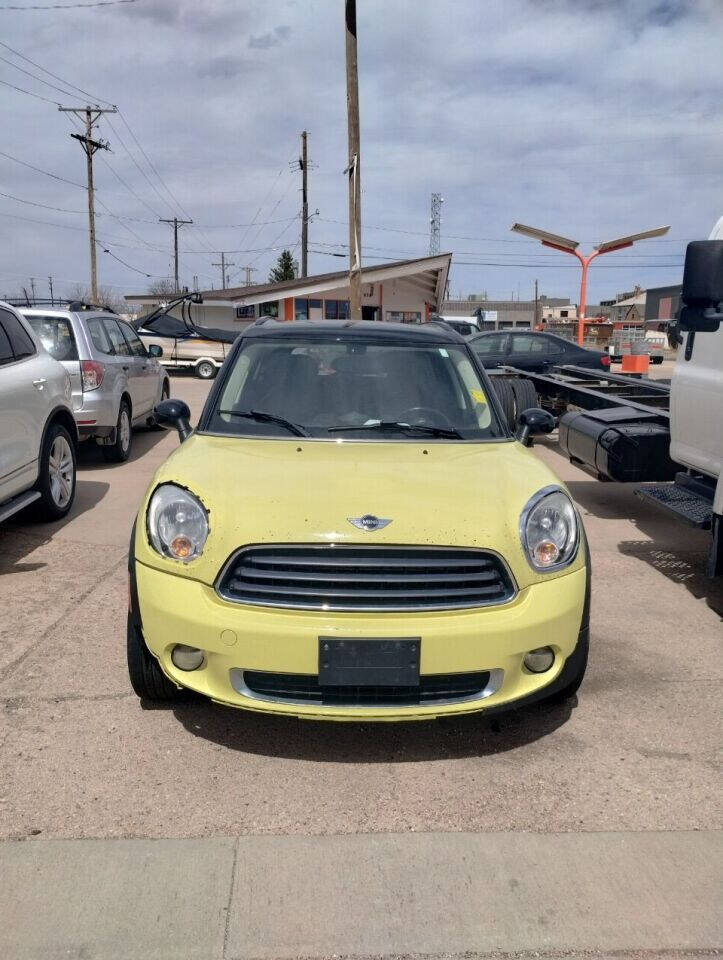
(22, 534)
(677, 551)
(351, 742)
(144, 440)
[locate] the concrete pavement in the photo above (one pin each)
(631, 767)
(386, 895)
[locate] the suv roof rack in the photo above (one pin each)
(75, 305)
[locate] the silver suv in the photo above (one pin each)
(38, 435)
(115, 381)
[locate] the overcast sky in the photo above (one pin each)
(590, 118)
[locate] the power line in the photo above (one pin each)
(15, 66)
(66, 83)
(29, 93)
(46, 173)
(71, 6)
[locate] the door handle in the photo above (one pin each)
(40, 383)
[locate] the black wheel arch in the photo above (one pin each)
(63, 416)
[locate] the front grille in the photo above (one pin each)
(340, 577)
(302, 688)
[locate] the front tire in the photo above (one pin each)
(205, 370)
(149, 682)
(120, 449)
(57, 476)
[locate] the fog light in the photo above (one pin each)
(540, 660)
(186, 658)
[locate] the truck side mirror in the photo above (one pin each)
(531, 421)
(174, 414)
(702, 287)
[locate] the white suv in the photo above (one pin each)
(38, 435)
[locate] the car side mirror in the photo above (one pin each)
(155, 350)
(532, 421)
(174, 414)
(702, 292)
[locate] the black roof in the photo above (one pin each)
(349, 329)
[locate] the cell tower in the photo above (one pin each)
(435, 223)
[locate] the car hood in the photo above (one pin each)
(306, 491)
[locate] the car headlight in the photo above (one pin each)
(177, 523)
(549, 530)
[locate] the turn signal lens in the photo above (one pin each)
(546, 552)
(181, 547)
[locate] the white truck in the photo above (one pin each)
(637, 430)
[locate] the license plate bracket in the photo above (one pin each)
(378, 662)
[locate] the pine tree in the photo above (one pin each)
(284, 269)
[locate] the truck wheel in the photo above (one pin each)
(525, 394)
(120, 449)
(205, 370)
(506, 396)
(56, 478)
(149, 682)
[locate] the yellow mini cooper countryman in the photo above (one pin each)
(351, 532)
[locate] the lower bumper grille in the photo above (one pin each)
(355, 578)
(304, 688)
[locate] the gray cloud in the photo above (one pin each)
(274, 38)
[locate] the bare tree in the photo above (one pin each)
(163, 287)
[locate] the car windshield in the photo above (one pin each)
(353, 388)
(56, 335)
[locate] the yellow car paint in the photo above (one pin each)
(301, 491)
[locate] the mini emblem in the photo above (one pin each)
(369, 522)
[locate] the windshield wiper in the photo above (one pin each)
(262, 417)
(386, 425)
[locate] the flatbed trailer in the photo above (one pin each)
(617, 427)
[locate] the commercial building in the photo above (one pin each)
(503, 314)
(406, 291)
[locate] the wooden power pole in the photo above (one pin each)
(304, 206)
(176, 223)
(353, 170)
(91, 114)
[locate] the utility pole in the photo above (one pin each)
(50, 284)
(91, 114)
(223, 265)
(353, 170)
(537, 314)
(32, 287)
(248, 271)
(304, 205)
(176, 223)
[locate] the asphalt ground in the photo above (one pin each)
(82, 758)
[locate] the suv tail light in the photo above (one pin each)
(92, 373)
(605, 360)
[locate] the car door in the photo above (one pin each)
(23, 405)
(125, 363)
(529, 351)
(491, 348)
(148, 369)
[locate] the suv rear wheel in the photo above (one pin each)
(120, 449)
(56, 479)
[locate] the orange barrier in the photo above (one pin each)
(635, 364)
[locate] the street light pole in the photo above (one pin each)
(565, 245)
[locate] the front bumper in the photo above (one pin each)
(236, 637)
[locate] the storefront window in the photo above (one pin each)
(301, 309)
(336, 309)
(404, 316)
(246, 313)
(269, 309)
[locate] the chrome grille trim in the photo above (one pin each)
(364, 578)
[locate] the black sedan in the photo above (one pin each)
(529, 350)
